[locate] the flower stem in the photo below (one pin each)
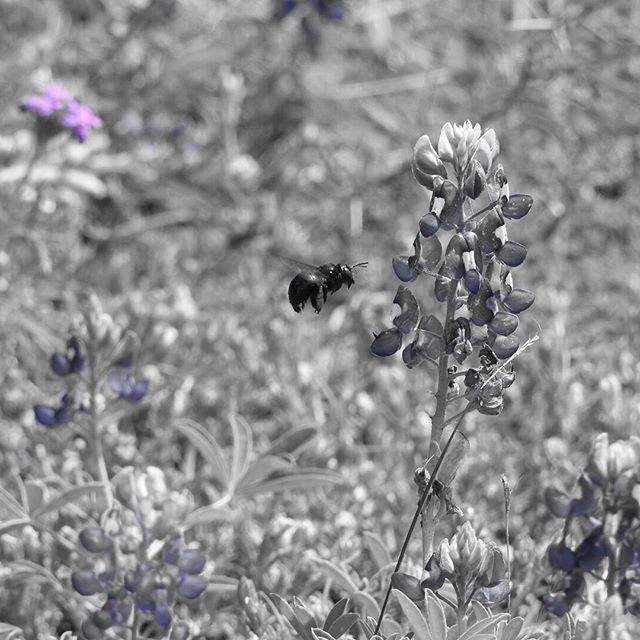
(96, 434)
(425, 498)
(437, 426)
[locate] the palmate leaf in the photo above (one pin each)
(216, 512)
(69, 496)
(208, 447)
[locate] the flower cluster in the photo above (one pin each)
(60, 110)
(137, 558)
(476, 569)
(473, 273)
(605, 522)
(115, 376)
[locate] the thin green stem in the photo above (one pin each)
(437, 425)
(134, 624)
(96, 434)
(425, 498)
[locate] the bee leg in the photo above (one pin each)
(318, 298)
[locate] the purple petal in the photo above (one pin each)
(403, 270)
(60, 365)
(162, 615)
(519, 300)
(86, 583)
(386, 343)
(46, 416)
(192, 561)
(95, 539)
(191, 587)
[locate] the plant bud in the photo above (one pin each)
(445, 560)
(475, 181)
(426, 163)
(445, 143)
(429, 224)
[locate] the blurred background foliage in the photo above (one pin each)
(231, 139)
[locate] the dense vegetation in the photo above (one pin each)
(176, 443)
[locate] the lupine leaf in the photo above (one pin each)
(284, 608)
(377, 549)
(436, 618)
(67, 497)
(335, 573)
(11, 507)
(415, 617)
(290, 441)
(343, 624)
(300, 479)
(242, 448)
(208, 447)
(262, 468)
(336, 611)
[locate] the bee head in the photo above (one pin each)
(347, 272)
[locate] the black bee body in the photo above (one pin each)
(315, 283)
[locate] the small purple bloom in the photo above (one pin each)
(190, 587)
(53, 98)
(121, 380)
(71, 362)
(61, 110)
(54, 416)
(79, 119)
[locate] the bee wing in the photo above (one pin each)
(296, 265)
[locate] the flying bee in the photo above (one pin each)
(314, 283)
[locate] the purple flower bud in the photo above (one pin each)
(95, 540)
(512, 253)
(429, 224)
(191, 561)
(561, 557)
(54, 416)
(86, 583)
(517, 206)
(190, 586)
(519, 300)
(387, 342)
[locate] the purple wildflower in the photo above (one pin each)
(121, 380)
(54, 416)
(72, 361)
(79, 119)
(61, 110)
(53, 98)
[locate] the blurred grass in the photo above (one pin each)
(150, 215)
